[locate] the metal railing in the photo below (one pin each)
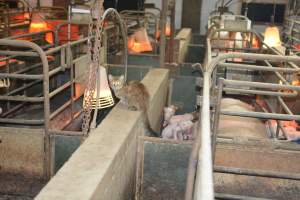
(204, 146)
(18, 97)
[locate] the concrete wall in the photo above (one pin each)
(104, 165)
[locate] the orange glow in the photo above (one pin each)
(296, 83)
(139, 42)
(41, 26)
(79, 90)
(139, 47)
(297, 46)
(272, 37)
(255, 43)
(167, 32)
(26, 16)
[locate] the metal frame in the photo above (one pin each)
(204, 145)
(46, 95)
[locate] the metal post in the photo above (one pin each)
(163, 19)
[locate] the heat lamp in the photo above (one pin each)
(272, 36)
(139, 41)
(38, 24)
(104, 99)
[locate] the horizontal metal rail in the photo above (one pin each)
(256, 172)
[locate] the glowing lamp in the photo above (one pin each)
(139, 41)
(167, 31)
(38, 24)
(105, 98)
(272, 37)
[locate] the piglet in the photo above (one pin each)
(168, 113)
(182, 118)
(179, 131)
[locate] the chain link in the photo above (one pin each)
(94, 46)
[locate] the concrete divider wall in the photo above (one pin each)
(103, 167)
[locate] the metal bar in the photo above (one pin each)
(22, 121)
(262, 85)
(261, 115)
(65, 133)
(18, 53)
(261, 68)
(278, 74)
(21, 98)
(257, 172)
(260, 92)
(217, 118)
(21, 76)
(204, 177)
(163, 19)
(236, 197)
(284, 106)
(60, 89)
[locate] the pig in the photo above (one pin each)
(179, 131)
(168, 113)
(181, 118)
(235, 126)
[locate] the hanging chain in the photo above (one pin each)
(94, 46)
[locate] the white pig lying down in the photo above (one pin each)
(235, 126)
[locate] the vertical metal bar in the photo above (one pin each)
(216, 119)
(163, 18)
(171, 44)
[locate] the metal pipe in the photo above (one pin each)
(261, 115)
(60, 89)
(21, 76)
(204, 176)
(284, 106)
(65, 133)
(163, 18)
(237, 197)
(21, 98)
(260, 92)
(257, 172)
(18, 53)
(22, 121)
(217, 118)
(262, 85)
(261, 68)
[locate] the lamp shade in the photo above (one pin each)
(105, 96)
(272, 36)
(38, 24)
(139, 41)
